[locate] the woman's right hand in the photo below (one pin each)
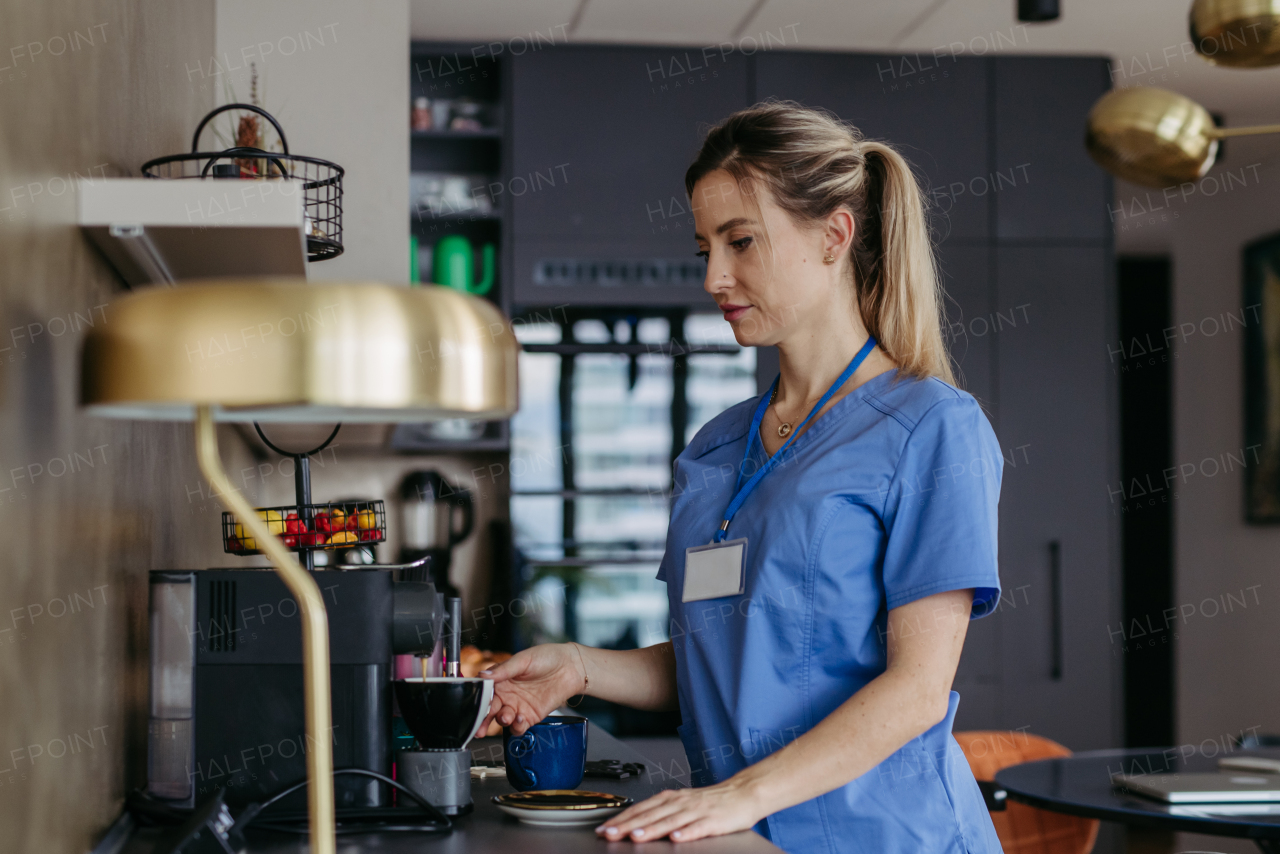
(532, 684)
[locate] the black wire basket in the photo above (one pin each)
(307, 527)
(321, 179)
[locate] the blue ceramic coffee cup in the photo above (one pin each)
(551, 754)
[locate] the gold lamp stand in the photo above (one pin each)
(356, 352)
(315, 637)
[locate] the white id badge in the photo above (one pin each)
(714, 570)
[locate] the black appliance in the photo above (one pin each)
(436, 516)
(226, 680)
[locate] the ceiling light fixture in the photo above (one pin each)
(1038, 11)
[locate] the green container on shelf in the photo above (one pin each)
(453, 265)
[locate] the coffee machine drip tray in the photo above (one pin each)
(441, 777)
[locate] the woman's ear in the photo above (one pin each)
(840, 228)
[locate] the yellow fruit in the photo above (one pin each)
(274, 520)
(241, 537)
(343, 537)
(366, 520)
(337, 518)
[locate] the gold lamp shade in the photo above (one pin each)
(281, 350)
(1151, 136)
(1237, 33)
(1156, 137)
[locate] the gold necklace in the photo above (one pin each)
(784, 429)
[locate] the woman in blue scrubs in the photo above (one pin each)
(829, 540)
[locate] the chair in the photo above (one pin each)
(1023, 829)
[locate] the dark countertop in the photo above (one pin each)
(487, 829)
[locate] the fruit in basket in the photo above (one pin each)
(366, 520)
(370, 536)
(312, 538)
(274, 520)
(334, 520)
(241, 539)
(341, 537)
(294, 531)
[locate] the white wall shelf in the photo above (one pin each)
(161, 231)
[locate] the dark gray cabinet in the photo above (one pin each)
(601, 139)
(1057, 417)
(965, 271)
(933, 111)
(1049, 189)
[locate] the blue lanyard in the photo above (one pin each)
(741, 491)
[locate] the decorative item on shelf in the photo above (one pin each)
(420, 118)
(440, 110)
(368, 368)
(446, 194)
(453, 265)
(1156, 137)
(321, 180)
(1237, 33)
(466, 115)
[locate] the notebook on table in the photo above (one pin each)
(1219, 787)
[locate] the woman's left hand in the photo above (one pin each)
(685, 814)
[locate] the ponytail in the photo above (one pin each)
(897, 284)
(814, 164)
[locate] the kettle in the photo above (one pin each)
(453, 265)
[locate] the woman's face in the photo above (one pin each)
(763, 270)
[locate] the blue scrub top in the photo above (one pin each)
(887, 498)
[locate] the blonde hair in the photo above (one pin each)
(813, 164)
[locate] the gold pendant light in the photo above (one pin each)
(1155, 137)
(1237, 33)
(283, 350)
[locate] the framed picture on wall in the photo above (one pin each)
(1262, 380)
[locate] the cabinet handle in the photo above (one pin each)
(1055, 605)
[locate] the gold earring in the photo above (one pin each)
(828, 259)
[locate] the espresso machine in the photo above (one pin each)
(227, 708)
(435, 517)
(226, 679)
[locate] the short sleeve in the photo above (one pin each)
(940, 512)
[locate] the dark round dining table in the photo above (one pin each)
(1081, 785)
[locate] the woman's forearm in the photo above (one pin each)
(640, 678)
